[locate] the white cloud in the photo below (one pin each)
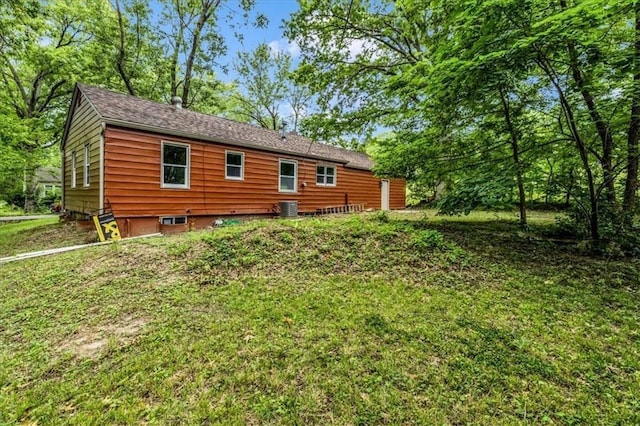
(358, 46)
(616, 93)
(284, 45)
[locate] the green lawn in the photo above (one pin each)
(40, 234)
(10, 210)
(366, 319)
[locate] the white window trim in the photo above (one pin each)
(74, 175)
(86, 173)
(187, 174)
(241, 154)
(295, 175)
(335, 174)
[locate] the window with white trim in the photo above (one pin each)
(326, 175)
(87, 165)
(288, 176)
(234, 165)
(175, 165)
(73, 169)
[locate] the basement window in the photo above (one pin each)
(288, 178)
(326, 175)
(175, 165)
(173, 220)
(234, 165)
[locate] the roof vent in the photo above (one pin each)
(176, 101)
(283, 134)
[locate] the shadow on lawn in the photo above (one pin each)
(504, 243)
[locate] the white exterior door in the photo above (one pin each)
(385, 194)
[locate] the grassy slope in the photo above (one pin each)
(40, 234)
(348, 320)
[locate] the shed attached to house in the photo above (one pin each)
(152, 163)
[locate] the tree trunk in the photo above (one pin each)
(513, 139)
(549, 182)
(122, 53)
(631, 184)
(567, 196)
(179, 40)
(208, 7)
(594, 226)
(602, 128)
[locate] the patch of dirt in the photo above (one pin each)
(60, 235)
(126, 260)
(89, 342)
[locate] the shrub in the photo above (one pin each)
(382, 216)
(427, 239)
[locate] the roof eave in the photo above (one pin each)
(353, 166)
(172, 132)
(70, 111)
(77, 91)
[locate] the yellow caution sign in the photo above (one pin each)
(107, 227)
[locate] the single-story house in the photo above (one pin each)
(46, 180)
(151, 163)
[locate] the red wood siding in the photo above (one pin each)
(132, 181)
(397, 194)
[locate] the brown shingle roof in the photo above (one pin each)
(130, 111)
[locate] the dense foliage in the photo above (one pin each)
(502, 99)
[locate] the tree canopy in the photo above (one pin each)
(537, 98)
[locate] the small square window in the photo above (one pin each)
(326, 175)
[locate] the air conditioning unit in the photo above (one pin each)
(288, 208)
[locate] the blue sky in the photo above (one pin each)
(230, 19)
(276, 10)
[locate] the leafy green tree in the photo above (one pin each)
(193, 43)
(44, 48)
(439, 74)
(129, 50)
(269, 93)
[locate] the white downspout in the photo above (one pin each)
(101, 196)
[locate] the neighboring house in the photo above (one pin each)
(46, 181)
(152, 163)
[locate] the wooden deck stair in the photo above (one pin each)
(347, 208)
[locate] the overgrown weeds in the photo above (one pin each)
(358, 245)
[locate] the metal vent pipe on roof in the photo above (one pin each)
(176, 101)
